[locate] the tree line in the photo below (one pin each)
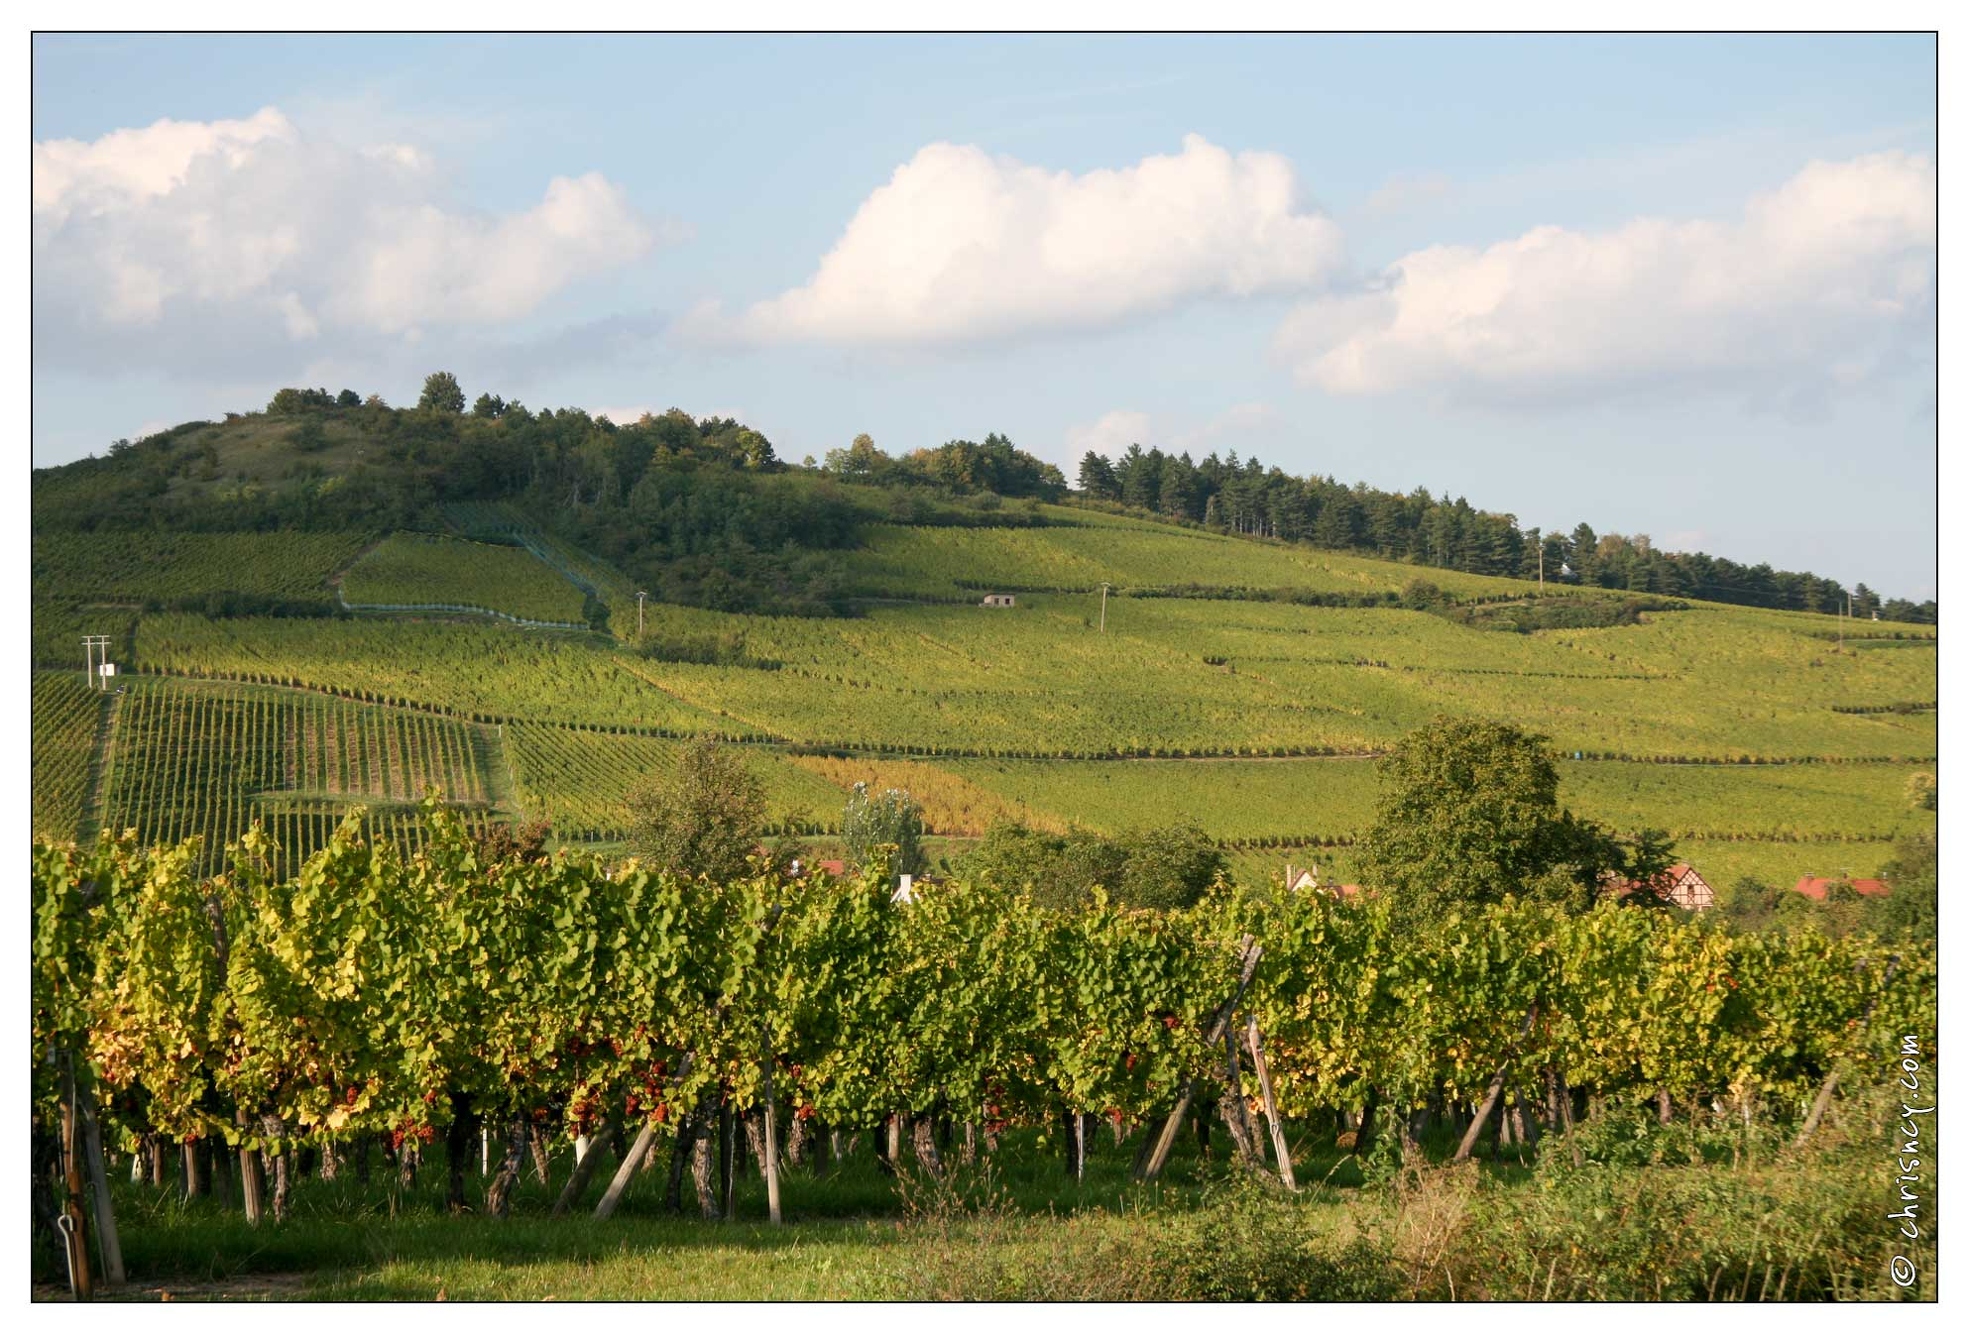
(704, 512)
(1230, 496)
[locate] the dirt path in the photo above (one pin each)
(245, 1288)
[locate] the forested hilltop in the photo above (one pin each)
(704, 513)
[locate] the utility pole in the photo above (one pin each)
(1104, 607)
(90, 643)
(640, 595)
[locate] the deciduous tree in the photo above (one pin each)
(704, 818)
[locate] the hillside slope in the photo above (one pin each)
(1234, 682)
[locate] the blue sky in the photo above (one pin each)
(1680, 286)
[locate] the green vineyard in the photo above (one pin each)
(1774, 742)
(410, 570)
(67, 713)
(197, 759)
(579, 781)
(170, 568)
(484, 521)
(1077, 556)
(486, 672)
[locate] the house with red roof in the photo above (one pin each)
(1815, 887)
(1309, 882)
(1681, 885)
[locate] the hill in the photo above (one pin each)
(327, 606)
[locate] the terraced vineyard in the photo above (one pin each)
(1300, 802)
(408, 570)
(204, 759)
(1078, 555)
(66, 715)
(479, 671)
(1253, 718)
(170, 567)
(484, 521)
(1179, 677)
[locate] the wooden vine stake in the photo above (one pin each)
(1250, 951)
(1824, 1101)
(74, 1222)
(1256, 1043)
(1236, 1113)
(584, 1168)
(92, 1150)
(1495, 1093)
(772, 1141)
(627, 1171)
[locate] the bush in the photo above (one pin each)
(1251, 1243)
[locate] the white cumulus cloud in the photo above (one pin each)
(185, 240)
(1822, 282)
(960, 245)
(1110, 435)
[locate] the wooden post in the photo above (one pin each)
(92, 1151)
(1494, 1094)
(222, 1174)
(74, 1222)
(772, 1142)
(1477, 1122)
(923, 1140)
(537, 1142)
(1237, 1116)
(252, 1186)
(577, 1180)
(1076, 1144)
(194, 1179)
(624, 1173)
(1526, 1124)
(1823, 1102)
(727, 1164)
(1255, 1041)
(1166, 1140)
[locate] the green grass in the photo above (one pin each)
(1702, 1209)
(415, 569)
(1790, 801)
